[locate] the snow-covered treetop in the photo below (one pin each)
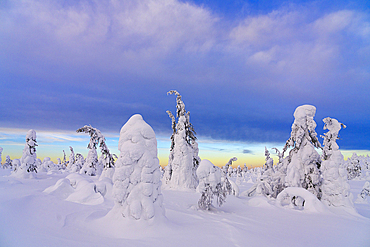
(183, 119)
(95, 134)
(180, 104)
(98, 138)
(333, 125)
(134, 131)
(231, 161)
(330, 137)
(31, 138)
(303, 127)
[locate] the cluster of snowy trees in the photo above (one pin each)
(325, 175)
(135, 178)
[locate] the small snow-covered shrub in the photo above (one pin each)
(8, 163)
(209, 185)
(365, 192)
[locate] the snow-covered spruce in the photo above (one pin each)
(8, 163)
(209, 185)
(91, 166)
(47, 165)
(353, 167)
(137, 185)
(335, 187)
(228, 185)
(365, 192)
(28, 161)
(303, 160)
(183, 159)
(72, 159)
(269, 183)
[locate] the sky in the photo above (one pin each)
(242, 67)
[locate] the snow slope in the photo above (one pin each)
(31, 217)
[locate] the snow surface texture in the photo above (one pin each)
(137, 185)
(31, 218)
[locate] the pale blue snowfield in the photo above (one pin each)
(31, 217)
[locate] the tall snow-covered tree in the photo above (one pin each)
(96, 138)
(28, 160)
(183, 160)
(335, 187)
(209, 185)
(303, 168)
(137, 184)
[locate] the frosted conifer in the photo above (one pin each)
(303, 160)
(8, 163)
(96, 138)
(335, 187)
(209, 185)
(183, 159)
(137, 185)
(28, 160)
(354, 167)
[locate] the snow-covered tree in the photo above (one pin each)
(72, 158)
(137, 184)
(303, 168)
(365, 192)
(47, 165)
(8, 163)
(209, 185)
(228, 185)
(28, 160)
(335, 187)
(64, 162)
(78, 164)
(96, 138)
(1, 159)
(16, 164)
(183, 159)
(268, 183)
(354, 167)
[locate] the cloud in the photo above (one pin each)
(246, 151)
(70, 63)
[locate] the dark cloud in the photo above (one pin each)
(241, 79)
(246, 151)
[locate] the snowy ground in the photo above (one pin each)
(31, 217)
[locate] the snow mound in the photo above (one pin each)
(76, 188)
(302, 199)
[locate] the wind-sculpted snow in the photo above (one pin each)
(299, 198)
(77, 188)
(33, 218)
(137, 185)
